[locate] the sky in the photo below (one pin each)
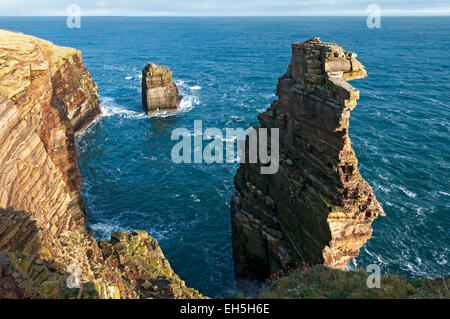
(223, 7)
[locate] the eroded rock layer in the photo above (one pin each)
(317, 209)
(46, 97)
(159, 92)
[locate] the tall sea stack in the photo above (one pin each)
(159, 92)
(317, 208)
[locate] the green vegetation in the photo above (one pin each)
(320, 282)
(68, 293)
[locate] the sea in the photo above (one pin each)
(226, 69)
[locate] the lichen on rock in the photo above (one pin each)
(144, 266)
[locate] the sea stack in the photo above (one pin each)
(159, 92)
(317, 209)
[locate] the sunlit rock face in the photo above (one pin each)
(46, 97)
(159, 92)
(317, 208)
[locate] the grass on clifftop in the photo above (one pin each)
(325, 283)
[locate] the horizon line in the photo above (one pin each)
(226, 16)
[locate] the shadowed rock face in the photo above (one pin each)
(317, 208)
(159, 92)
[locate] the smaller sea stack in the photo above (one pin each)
(159, 92)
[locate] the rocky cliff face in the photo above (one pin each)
(159, 92)
(317, 208)
(46, 97)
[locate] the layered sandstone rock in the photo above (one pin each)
(159, 92)
(317, 208)
(46, 97)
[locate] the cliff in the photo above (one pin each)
(159, 92)
(317, 209)
(46, 97)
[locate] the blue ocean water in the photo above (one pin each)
(227, 70)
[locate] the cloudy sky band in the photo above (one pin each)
(224, 8)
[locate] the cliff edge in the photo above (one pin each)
(317, 209)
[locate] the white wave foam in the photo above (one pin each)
(152, 158)
(136, 77)
(442, 258)
(111, 108)
(103, 230)
(195, 88)
(407, 192)
(436, 102)
(186, 105)
(384, 189)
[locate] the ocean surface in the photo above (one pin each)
(227, 70)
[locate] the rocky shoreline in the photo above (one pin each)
(316, 210)
(47, 96)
